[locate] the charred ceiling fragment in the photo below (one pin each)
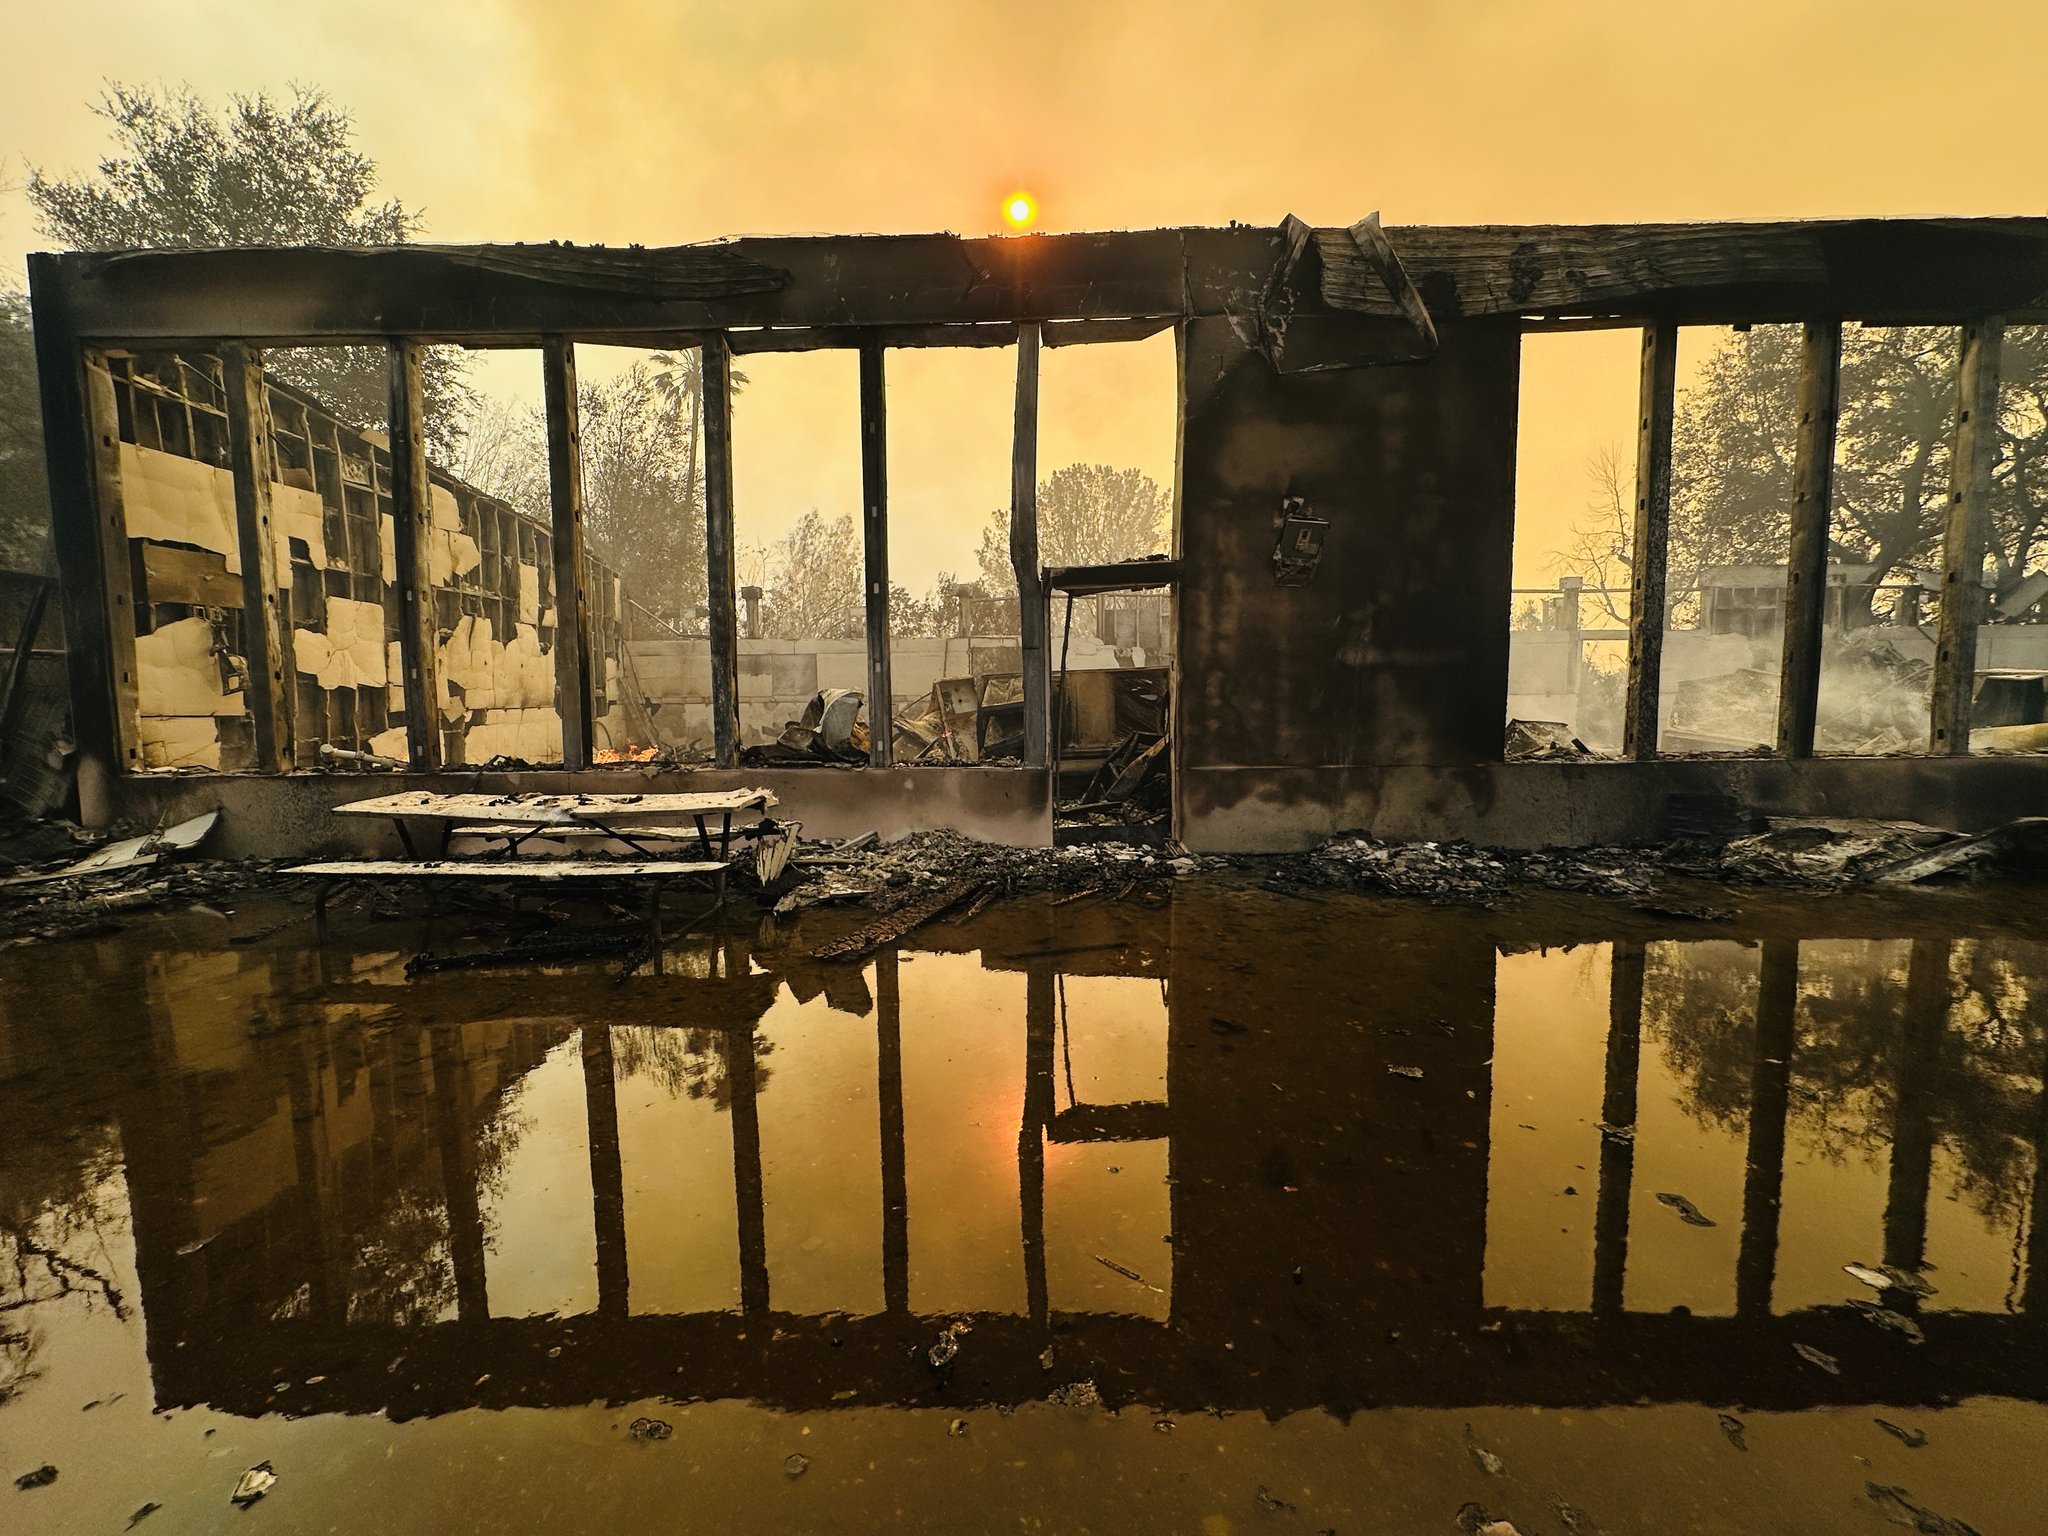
(1304, 329)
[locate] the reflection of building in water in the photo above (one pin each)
(426, 1214)
(1829, 1101)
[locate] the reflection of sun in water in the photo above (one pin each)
(1020, 209)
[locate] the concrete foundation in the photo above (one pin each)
(291, 816)
(1536, 805)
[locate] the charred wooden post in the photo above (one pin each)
(1031, 605)
(2034, 1301)
(723, 624)
(89, 536)
(1652, 539)
(607, 1171)
(419, 632)
(323, 1244)
(1777, 1010)
(1971, 456)
(454, 1136)
(1806, 575)
(565, 495)
(1039, 1029)
(1912, 1164)
(874, 474)
(895, 1179)
(1618, 1126)
(749, 1196)
(266, 625)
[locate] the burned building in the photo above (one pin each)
(1343, 520)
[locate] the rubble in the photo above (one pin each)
(63, 902)
(54, 894)
(1532, 741)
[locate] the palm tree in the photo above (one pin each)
(679, 381)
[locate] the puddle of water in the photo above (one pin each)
(430, 1247)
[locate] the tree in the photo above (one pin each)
(643, 484)
(643, 490)
(268, 174)
(504, 453)
(1735, 441)
(810, 580)
(24, 493)
(1088, 514)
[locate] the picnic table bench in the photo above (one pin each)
(517, 819)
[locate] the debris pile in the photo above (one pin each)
(1533, 741)
(889, 877)
(1462, 874)
(51, 892)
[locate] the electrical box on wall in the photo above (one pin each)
(1300, 546)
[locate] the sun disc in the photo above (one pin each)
(1020, 209)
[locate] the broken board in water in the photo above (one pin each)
(131, 852)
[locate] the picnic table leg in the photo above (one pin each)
(703, 836)
(405, 837)
(725, 837)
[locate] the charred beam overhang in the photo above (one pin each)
(1306, 328)
(1887, 271)
(478, 295)
(1117, 576)
(1877, 270)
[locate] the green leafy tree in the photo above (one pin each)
(183, 175)
(1735, 441)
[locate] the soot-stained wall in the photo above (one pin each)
(1396, 654)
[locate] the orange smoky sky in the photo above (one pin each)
(627, 120)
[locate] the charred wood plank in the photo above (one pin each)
(565, 495)
(1650, 548)
(1806, 576)
(1973, 452)
(892, 926)
(266, 623)
(198, 577)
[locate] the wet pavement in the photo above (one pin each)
(1234, 1212)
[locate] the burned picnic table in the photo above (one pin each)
(517, 819)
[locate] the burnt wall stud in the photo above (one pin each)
(266, 620)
